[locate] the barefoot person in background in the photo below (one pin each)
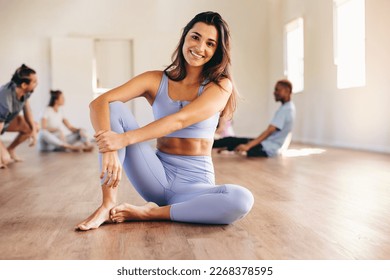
(275, 138)
(13, 99)
(224, 128)
(51, 137)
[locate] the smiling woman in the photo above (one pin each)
(177, 180)
(199, 49)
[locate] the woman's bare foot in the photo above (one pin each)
(88, 148)
(128, 212)
(73, 148)
(100, 216)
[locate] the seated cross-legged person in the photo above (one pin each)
(272, 141)
(51, 136)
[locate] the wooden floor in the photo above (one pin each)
(311, 204)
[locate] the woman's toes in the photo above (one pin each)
(118, 208)
(81, 227)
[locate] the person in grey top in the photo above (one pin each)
(14, 97)
(272, 141)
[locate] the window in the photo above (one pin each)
(294, 66)
(349, 43)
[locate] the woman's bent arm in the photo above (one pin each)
(145, 85)
(212, 100)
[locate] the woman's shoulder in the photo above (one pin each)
(48, 112)
(149, 82)
(154, 75)
(225, 84)
(49, 109)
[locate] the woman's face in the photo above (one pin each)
(200, 44)
(61, 100)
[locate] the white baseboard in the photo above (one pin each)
(339, 144)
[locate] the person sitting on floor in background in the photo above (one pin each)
(276, 138)
(224, 128)
(13, 99)
(51, 136)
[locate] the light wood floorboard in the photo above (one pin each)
(330, 205)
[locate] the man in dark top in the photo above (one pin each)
(14, 97)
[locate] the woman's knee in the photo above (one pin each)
(116, 104)
(241, 199)
(121, 118)
(116, 113)
(117, 109)
(49, 138)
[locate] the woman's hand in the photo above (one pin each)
(109, 141)
(111, 170)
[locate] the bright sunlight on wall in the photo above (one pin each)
(349, 43)
(294, 55)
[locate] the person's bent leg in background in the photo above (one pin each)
(20, 125)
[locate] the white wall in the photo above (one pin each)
(72, 72)
(26, 28)
(356, 117)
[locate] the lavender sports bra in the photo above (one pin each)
(163, 106)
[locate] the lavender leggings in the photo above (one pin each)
(185, 182)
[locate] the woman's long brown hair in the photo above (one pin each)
(214, 70)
